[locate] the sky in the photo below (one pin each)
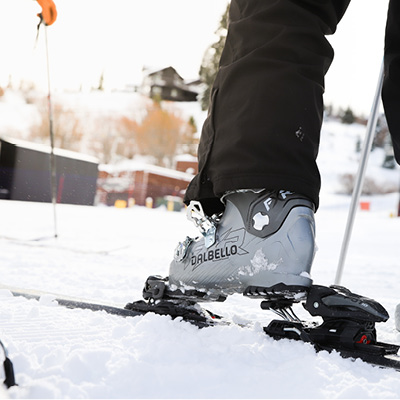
(358, 44)
(117, 38)
(111, 37)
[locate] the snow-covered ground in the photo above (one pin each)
(105, 254)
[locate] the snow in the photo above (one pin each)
(105, 254)
(259, 263)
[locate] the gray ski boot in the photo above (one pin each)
(262, 246)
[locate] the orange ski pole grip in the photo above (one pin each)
(49, 11)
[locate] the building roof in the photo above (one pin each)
(132, 165)
(162, 70)
(47, 149)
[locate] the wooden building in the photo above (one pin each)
(25, 174)
(136, 183)
(167, 84)
(187, 163)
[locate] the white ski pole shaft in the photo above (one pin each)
(53, 172)
(369, 137)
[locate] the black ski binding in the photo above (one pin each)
(156, 288)
(160, 300)
(348, 325)
(339, 302)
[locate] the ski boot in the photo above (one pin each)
(397, 317)
(262, 246)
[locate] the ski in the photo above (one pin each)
(70, 302)
(350, 331)
(187, 311)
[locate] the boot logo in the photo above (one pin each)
(230, 243)
(260, 220)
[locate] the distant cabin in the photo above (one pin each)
(167, 84)
(135, 183)
(187, 163)
(25, 173)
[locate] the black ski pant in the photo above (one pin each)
(264, 121)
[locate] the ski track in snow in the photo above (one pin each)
(105, 254)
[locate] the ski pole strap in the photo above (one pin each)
(8, 368)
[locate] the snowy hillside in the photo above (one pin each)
(105, 254)
(19, 111)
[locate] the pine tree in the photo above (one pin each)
(101, 82)
(189, 137)
(348, 116)
(210, 63)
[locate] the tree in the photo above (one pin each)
(210, 63)
(67, 128)
(127, 129)
(112, 140)
(162, 133)
(190, 139)
(348, 116)
(101, 82)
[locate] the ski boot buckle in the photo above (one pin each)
(206, 225)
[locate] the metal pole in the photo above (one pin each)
(371, 126)
(53, 172)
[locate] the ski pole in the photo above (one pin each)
(371, 126)
(53, 171)
(49, 16)
(8, 368)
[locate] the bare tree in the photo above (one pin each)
(67, 127)
(160, 134)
